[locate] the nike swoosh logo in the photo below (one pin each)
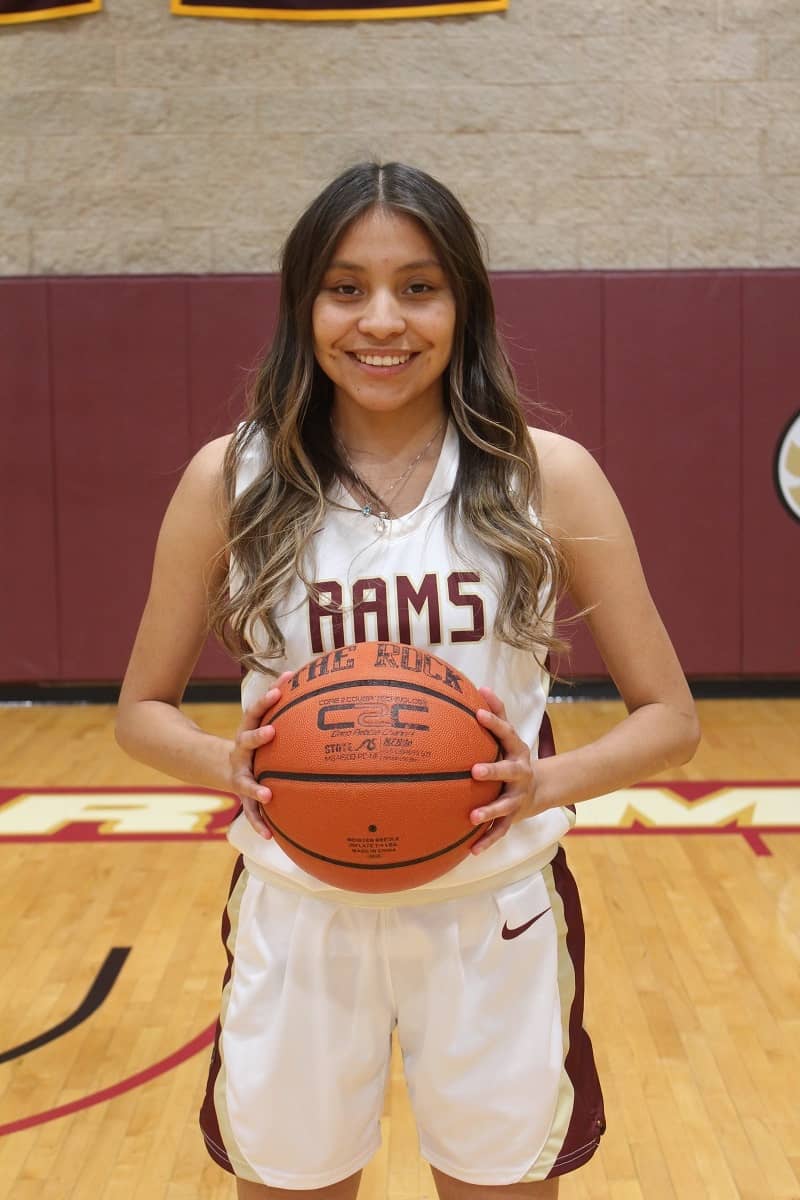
(512, 933)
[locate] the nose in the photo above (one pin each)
(382, 316)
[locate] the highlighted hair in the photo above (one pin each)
(498, 484)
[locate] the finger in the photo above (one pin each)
(247, 787)
(505, 770)
(271, 698)
(251, 739)
(255, 817)
(493, 701)
(493, 834)
(496, 724)
(254, 713)
(508, 804)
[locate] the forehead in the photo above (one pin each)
(382, 237)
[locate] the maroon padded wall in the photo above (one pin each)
(552, 325)
(29, 647)
(672, 438)
(230, 323)
(680, 382)
(121, 431)
(770, 548)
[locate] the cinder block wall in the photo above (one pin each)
(579, 133)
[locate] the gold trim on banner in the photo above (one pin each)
(180, 9)
(46, 14)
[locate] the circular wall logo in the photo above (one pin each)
(787, 467)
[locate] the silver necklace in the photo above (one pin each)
(367, 510)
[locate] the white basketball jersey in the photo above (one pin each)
(405, 582)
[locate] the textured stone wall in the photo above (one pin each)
(579, 133)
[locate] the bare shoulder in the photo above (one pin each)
(202, 481)
(195, 522)
(555, 451)
(574, 487)
(207, 464)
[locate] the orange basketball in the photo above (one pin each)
(370, 767)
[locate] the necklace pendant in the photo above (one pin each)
(366, 510)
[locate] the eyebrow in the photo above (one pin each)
(340, 264)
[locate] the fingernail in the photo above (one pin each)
(480, 772)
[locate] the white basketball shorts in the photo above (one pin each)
(485, 992)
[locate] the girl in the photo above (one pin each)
(385, 486)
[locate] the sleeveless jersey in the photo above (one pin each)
(407, 583)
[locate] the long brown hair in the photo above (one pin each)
(497, 485)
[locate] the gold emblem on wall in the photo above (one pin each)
(787, 467)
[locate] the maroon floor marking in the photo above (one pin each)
(173, 1060)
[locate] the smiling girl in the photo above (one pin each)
(386, 486)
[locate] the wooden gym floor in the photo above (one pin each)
(693, 972)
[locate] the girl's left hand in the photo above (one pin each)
(515, 770)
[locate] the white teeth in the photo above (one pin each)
(375, 360)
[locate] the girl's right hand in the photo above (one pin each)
(249, 736)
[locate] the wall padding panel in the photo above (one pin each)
(673, 450)
(770, 534)
(552, 326)
(121, 422)
(29, 646)
(231, 323)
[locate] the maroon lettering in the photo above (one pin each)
(332, 611)
(470, 600)
(409, 597)
(328, 606)
(363, 607)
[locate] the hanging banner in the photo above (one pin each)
(329, 10)
(16, 12)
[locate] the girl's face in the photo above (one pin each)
(384, 318)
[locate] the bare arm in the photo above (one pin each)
(189, 563)
(661, 729)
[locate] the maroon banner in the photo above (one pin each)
(16, 12)
(331, 10)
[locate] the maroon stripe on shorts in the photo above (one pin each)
(588, 1121)
(209, 1122)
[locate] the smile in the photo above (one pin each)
(382, 360)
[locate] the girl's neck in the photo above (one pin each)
(389, 478)
(382, 438)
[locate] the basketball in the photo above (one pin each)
(370, 767)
